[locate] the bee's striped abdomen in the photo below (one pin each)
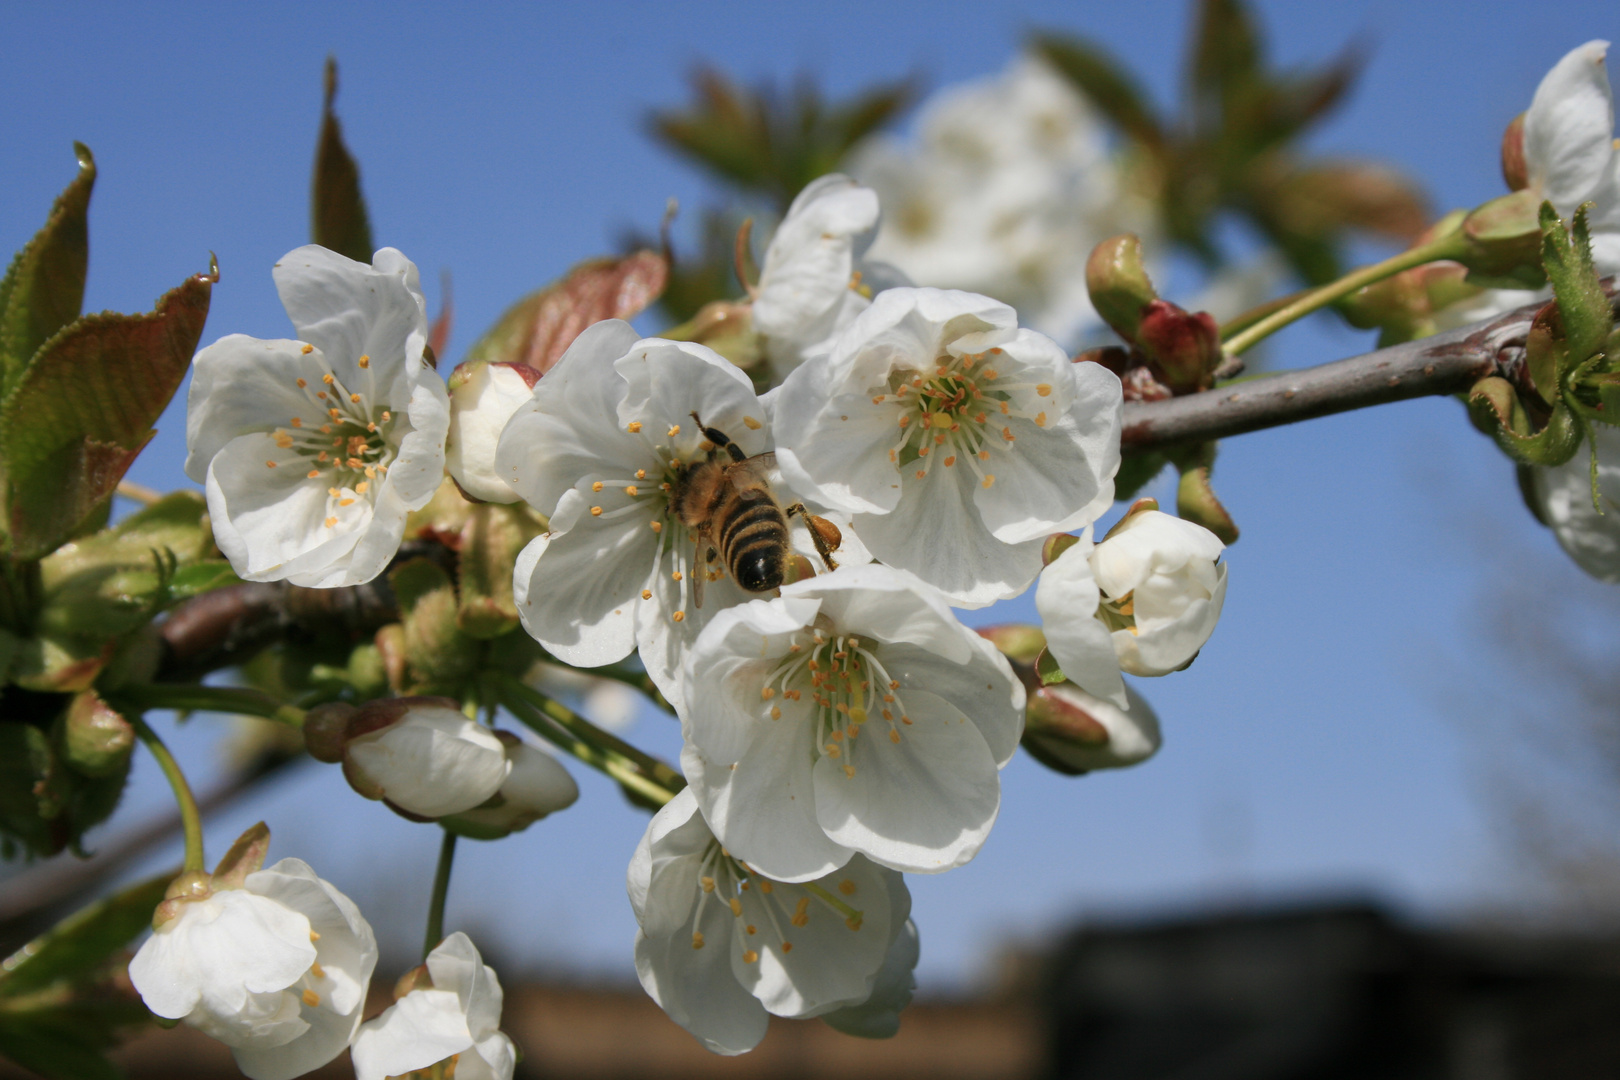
(754, 541)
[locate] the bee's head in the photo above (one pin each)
(759, 571)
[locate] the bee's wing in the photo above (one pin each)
(756, 470)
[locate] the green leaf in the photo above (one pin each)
(1226, 52)
(64, 1043)
(84, 941)
(337, 219)
(1109, 86)
(83, 409)
(44, 288)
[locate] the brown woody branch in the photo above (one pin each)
(1447, 363)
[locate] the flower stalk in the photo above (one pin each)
(190, 815)
(1449, 246)
(183, 697)
(441, 892)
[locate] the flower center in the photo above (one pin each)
(1118, 614)
(847, 684)
(765, 910)
(344, 439)
(960, 412)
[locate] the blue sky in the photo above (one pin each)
(1317, 745)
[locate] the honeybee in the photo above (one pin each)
(730, 509)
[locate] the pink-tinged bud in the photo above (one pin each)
(326, 731)
(1072, 732)
(1119, 285)
(1515, 170)
(1184, 347)
(483, 397)
(1018, 642)
(423, 757)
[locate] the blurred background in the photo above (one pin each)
(1405, 724)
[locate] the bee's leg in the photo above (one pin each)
(720, 439)
(823, 532)
(699, 571)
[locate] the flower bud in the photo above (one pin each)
(537, 785)
(1503, 241)
(423, 757)
(1072, 732)
(1018, 642)
(96, 739)
(1165, 585)
(1056, 545)
(1184, 347)
(1515, 170)
(1118, 284)
(483, 397)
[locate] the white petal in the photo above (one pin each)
(346, 948)
(831, 963)
(878, 1017)
(424, 1027)
(577, 587)
(348, 309)
(923, 804)
(164, 972)
(984, 688)
(1569, 128)
(1147, 543)
(1165, 647)
(241, 385)
(664, 643)
(763, 807)
(456, 965)
(433, 762)
(667, 381)
(569, 429)
(1067, 599)
(327, 1036)
(727, 669)
(1565, 495)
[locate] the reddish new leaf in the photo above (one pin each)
(538, 329)
(83, 409)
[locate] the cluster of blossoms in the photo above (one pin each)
(787, 568)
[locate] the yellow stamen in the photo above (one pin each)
(697, 940)
(365, 361)
(311, 998)
(307, 349)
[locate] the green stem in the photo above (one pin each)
(636, 680)
(190, 816)
(224, 699)
(1446, 247)
(441, 890)
(637, 771)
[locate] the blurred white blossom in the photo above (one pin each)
(1564, 496)
(454, 1014)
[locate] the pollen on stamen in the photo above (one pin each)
(984, 455)
(847, 887)
(751, 424)
(776, 713)
(905, 720)
(674, 430)
(365, 361)
(321, 394)
(596, 511)
(950, 461)
(736, 906)
(854, 921)
(310, 998)
(751, 928)
(345, 502)
(641, 474)
(657, 526)
(849, 772)
(766, 693)
(750, 956)
(316, 970)
(894, 736)
(331, 521)
(1044, 389)
(646, 594)
(697, 939)
(328, 378)
(302, 384)
(801, 912)
(387, 416)
(921, 473)
(787, 946)
(1040, 419)
(362, 486)
(679, 616)
(833, 751)
(879, 399)
(306, 350)
(631, 490)
(297, 421)
(676, 576)
(1006, 433)
(707, 883)
(355, 398)
(334, 492)
(312, 474)
(597, 486)
(269, 464)
(989, 478)
(334, 413)
(323, 456)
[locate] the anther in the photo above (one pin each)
(752, 929)
(878, 400)
(298, 421)
(787, 946)
(361, 486)
(269, 464)
(1044, 389)
(596, 511)
(989, 478)
(633, 426)
(354, 398)
(641, 474)
(950, 461)
(894, 736)
(847, 887)
(307, 349)
(314, 937)
(312, 474)
(1040, 419)
(1006, 433)
(345, 502)
(679, 616)
(316, 970)
(801, 913)
(776, 713)
(311, 998)
(767, 693)
(674, 430)
(387, 416)
(657, 526)
(736, 906)
(331, 521)
(697, 940)
(365, 361)
(597, 486)
(766, 887)
(646, 594)
(749, 956)
(630, 490)
(676, 576)
(328, 379)
(984, 455)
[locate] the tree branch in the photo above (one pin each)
(1447, 363)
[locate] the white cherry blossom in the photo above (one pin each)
(1564, 494)
(598, 450)
(853, 714)
(811, 285)
(277, 968)
(314, 450)
(957, 440)
(1007, 188)
(453, 1015)
(483, 398)
(1068, 599)
(720, 945)
(423, 756)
